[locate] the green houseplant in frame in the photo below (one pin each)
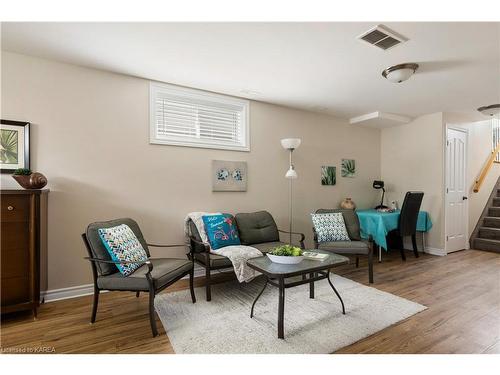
(14, 145)
(348, 168)
(328, 175)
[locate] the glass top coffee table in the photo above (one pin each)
(310, 270)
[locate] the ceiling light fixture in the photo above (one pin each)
(490, 110)
(400, 73)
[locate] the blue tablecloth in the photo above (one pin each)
(378, 224)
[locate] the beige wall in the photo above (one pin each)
(412, 159)
(90, 138)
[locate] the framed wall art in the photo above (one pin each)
(348, 168)
(328, 175)
(14, 145)
(229, 175)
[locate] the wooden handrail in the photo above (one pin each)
(486, 169)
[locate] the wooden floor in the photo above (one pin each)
(461, 290)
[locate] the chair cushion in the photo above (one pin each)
(266, 247)
(221, 230)
(164, 271)
(330, 227)
(215, 260)
(345, 247)
(99, 250)
(222, 261)
(122, 244)
(351, 221)
(257, 227)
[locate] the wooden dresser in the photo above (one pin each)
(23, 248)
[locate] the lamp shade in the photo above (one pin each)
(290, 143)
(291, 174)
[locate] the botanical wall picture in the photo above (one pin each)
(14, 145)
(348, 168)
(9, 146)
(328, 175)
(229, 175)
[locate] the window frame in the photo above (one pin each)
(187, 93)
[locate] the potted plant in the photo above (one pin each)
(28, 179)
(286, 254)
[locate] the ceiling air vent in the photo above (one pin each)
(382, 37)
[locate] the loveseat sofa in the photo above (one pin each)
(256, 229)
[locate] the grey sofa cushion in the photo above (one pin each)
(350, 218)
(164, 270)
(346, 247)
(221, 261)
(266, 247)
(257, 227)
(215, 260)
(97, 247)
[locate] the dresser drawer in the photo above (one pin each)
(15, 208)
(15, 290)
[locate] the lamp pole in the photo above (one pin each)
(290, 202)
(290, 144)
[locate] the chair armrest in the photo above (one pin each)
(199, 243)
(371, 244)
(154, 245)
(302, 237)
(97, 260)
(315, 238)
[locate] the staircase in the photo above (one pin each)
(486, 236)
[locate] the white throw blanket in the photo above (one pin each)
(237, 254)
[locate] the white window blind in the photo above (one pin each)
(186, 117)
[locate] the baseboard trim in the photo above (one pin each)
(88, 289)
(435, 251)
(65, 293)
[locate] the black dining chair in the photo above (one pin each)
(408, 221)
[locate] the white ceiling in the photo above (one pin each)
(313, 66)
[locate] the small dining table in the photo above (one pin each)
(378, 224)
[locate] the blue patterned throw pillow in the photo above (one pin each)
(330, 227)
(122, 244)
(221, 230)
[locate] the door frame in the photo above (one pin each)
(445, 170)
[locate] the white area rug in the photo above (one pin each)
(311, 325)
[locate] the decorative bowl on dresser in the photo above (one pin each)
(23, 248)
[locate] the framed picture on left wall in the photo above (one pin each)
(14, 145)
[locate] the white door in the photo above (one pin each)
(456, 191)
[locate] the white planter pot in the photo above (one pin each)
(285, 259)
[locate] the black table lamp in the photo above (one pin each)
(380, 185)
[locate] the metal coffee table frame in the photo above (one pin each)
(310, 275)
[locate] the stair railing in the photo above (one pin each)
(494, 157)
(495, 136)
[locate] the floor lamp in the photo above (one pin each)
(290, 144)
